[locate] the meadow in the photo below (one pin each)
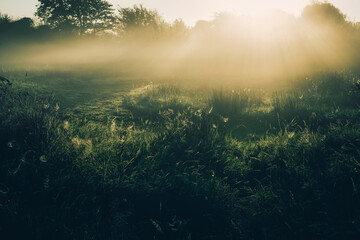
(124, 158)
(118, 124)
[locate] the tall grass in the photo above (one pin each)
(182, 165)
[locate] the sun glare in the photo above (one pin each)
(179, 119)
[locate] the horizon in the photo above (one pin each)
(238, 122)
(200, 9)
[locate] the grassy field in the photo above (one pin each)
(86, 156)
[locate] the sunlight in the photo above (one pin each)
(179, 119)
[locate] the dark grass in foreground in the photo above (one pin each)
(179, 164)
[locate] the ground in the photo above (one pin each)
(98, 156)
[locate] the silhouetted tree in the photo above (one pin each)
(323, 13)
(202, 26)
(5, 21)
(4, 18)
(179, 29)
(84, 15)
(139, 20)
(23, 25)
(11, 29)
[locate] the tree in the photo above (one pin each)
(4, 19)
(12, 28)
(323, 13)
(140, 21)
(83, 15)
(179, 29)
(24, 24)
(5, 22)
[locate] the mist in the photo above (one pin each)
(116, 124)
(270, 48)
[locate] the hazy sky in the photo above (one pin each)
(192, 10)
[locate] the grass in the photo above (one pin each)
(168, 162)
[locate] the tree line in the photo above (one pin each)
(99, 17)
(321, 26)
(90, 17)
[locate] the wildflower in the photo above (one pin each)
(113, 125)
(76, 140)
(198, 113)
(66, 125)
(46, 106)
(11, 144)
(86, 144)
(290, 135)
(4, 189)
(225, 119)
(214, 126)
(57, 107)
(211, 109)
(43, 159)
(156, 225)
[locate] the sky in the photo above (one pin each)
(193, 10)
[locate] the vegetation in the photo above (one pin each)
(135, 152)
(173, 163)
(82, 15)
(139, 19)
